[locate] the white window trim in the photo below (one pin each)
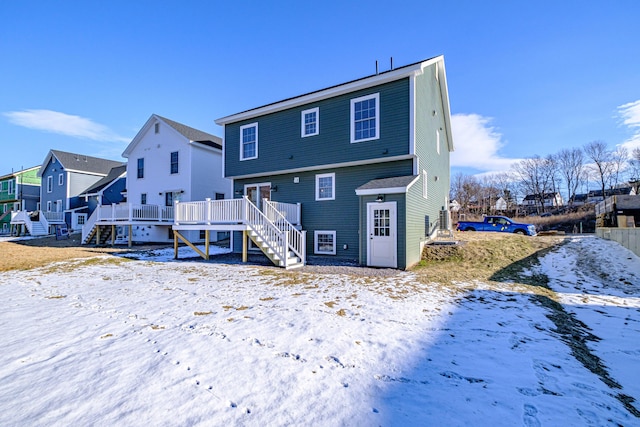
(316, 250)
(255, 124)
(49, 206)
(49, 184)
(375, 96)
(333, 186)
(425, 185)
(302, 122)
(61, 179)
(11, 187)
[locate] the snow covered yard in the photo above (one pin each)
(113, 341)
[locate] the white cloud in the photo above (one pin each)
(630, 114)
(477, 144)
(64, 124)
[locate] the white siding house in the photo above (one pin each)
(166, 162)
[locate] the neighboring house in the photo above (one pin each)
(531, 202)
(578, 200)
(365, 162)
(19, 191)
(108, 191)
(167, 162)
(595, 196)
(64, 177)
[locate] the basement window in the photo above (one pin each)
(324, 242)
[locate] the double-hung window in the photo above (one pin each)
(141, 168)
(325, 242)
(11, 187)
(249, 141)
(61, 179)
(365, 118)
(310, 122)
(326, 186)
(143, 198)
(49, 184)
(174, 162)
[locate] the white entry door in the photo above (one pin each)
(382, 245)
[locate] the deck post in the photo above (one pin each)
(113, 234)
(175, 245)
(244, 245)
(130, 231)
(299, 214)
(206, 242)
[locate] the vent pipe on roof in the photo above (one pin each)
(392, 62)
(376, 67)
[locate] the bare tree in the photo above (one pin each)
(505, 182)
(600, 155)
(465, 189)
(536, 175)
(619, 160)
(634, 170)
(571, 167)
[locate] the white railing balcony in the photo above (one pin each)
(230, 211)
(131, 212)
(53, 217)
(290, 211)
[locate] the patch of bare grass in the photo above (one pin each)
(480, 256)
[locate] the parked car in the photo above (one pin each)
(497, 224)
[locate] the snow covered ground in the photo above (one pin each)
(112, 341)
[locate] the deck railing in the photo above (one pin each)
(297, 240)
(53, 217)
(132, 212)
(273, 223)
(230, 211)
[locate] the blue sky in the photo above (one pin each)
(525, 77)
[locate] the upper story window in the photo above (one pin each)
(310, 122)
(365, 118)
(141, 168)
(11, 187)
(49, 184)
(49, 206)
(174, 162)
(326, 186)
(249, 141)
(425, 184)
(156, 127)
(143, 198)
(61, 179)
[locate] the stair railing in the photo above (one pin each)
(297, 240)
(272, 236)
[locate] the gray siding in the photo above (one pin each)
(428, 100)
(281, 147)
(341, 214)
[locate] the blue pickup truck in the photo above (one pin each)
(499, 224)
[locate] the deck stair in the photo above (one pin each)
(105, 234)
(279, 239)
(274, 235)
